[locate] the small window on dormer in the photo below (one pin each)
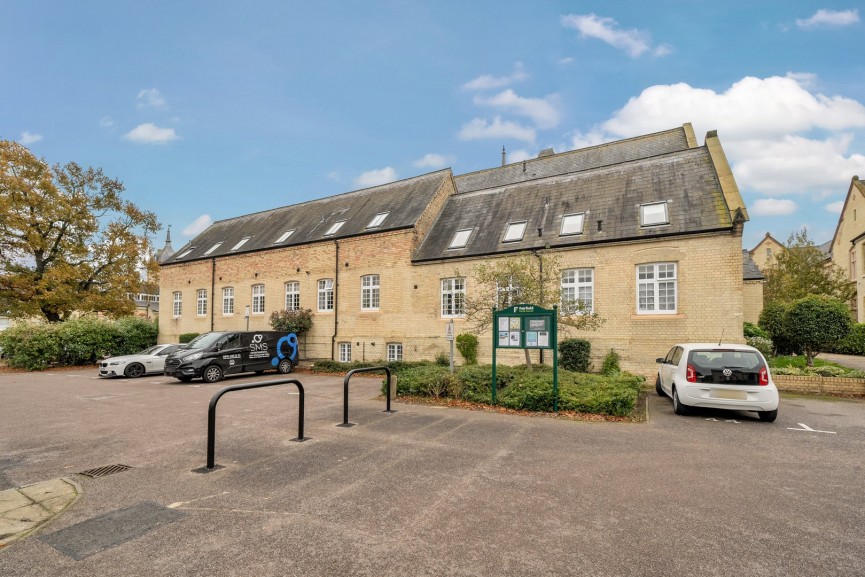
(334, 227)
(654, 214)
(284, 236)
(461, 238)
(515, 231)
(240, 243)
(379, 218)
(213, 248)
(184, 253)
(572, 224)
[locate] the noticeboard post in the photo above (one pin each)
(527, 327)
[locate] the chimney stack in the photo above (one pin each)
(504, 156)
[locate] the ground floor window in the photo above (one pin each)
(578, 288)
(345, 352)
(258, 299)
(394, 352)
(656, 288)
(178, 304)
(201, 308)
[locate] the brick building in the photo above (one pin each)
(648, 230)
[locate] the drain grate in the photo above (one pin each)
(105, 471)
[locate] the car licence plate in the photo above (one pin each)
(728, 394)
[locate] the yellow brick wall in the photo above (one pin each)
(765, 252)
(752, 299)
(710, 296)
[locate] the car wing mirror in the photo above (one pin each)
(659, 360)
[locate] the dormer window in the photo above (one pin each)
(379, 218)
(185, 253)
(461, 238)
(240, 243)
(334, 227)
(515, 231)
(654, 214)
(572, 224)
(213, 248)
(284, 236)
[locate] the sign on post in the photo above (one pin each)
(527, 327)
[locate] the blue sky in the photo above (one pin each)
(210, 110)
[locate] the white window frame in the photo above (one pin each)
(258, 294)
(578, 284)
(345, 352)
(377, 220)
(213, 248)
(325, 295)
(227, 301)
(644, 222)
(292, 295)
(508, 296)
(284, 236)
(334, 228)
(461, 238)
(184, 253)
(655, 281)
(177, 305)
(240, 243)
(201, 302)
(370, 292)
(515, 231)
(568, 220)
(453, 301)
(394, 352)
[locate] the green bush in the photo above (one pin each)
(443, 360)
(574, 355)
(467, 345)
(815, 323)
(187, 337)
(134, 334)
(611, 364)
(297, 321)
(765, 346)
(31, 346)
(773, 319)
(86, 339)
(752, 330)
(853, 343)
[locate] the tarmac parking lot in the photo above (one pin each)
(424, 490)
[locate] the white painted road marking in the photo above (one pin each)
(809, 429)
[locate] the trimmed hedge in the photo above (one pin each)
(574, 355)
(853, 343)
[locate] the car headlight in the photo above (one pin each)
(114, 362)
(193, 357)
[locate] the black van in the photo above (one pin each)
(214, 355)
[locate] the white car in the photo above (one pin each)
(717, 376)
(151, 360)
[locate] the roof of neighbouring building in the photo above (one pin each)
(750, 270)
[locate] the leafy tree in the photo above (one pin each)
(816, 323)
(802, 270)
(527, 278)
(68, 241)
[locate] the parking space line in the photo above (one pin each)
(809, 429)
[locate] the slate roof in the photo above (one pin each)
(576, 160)
(750, 270)
(404, 200)
(686, 179)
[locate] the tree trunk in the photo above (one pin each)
(528, 358)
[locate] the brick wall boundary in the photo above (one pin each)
(820, 385)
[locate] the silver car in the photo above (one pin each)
(717, 376)
(151, 360)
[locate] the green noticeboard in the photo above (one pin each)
(527, 327)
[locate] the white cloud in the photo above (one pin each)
(487, 81)
(376, 177)
(781, 135)
(28, 138)
(772, 207)
(634, 42)
(197, 226)
(479, 128)
(106, 122)
(566, 61)
(149, 133)
(519, 155)
(433, 160)
(150, 98)
(543, 111)
(835, 207)
(829, 18)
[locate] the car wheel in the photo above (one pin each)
(658, 388)
(134, 370)
(284, 366)
(212, 374)
(678, 407)
(184, 379)
(768, 416)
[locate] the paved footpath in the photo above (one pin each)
(24, 509)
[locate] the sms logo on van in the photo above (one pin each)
(290, 340)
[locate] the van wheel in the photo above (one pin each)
(284, 366)
(212, 374)
(184, 379)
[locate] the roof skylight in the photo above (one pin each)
(240, 243)
(186, 252)
(377, 220)
(515, 231)
(654, 214)
(572, 224)
(334, 227)
(213, 248)
(461, 238)
(284, 236)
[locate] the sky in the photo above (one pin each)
(214, 109)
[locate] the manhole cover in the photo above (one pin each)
(105, 471)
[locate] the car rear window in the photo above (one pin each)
(725, 366)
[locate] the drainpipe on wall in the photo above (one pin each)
(212, 289)
(335, 302)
